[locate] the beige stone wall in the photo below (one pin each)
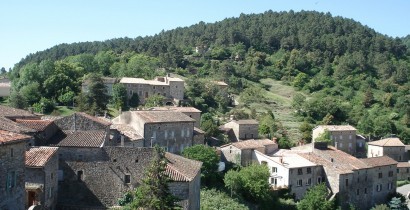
(342, 140)
(397, 153)
(295, 177)
(196, 116)
(403, 173)
(231, 154)
(12, 166)
(248, 131)
(176, 89)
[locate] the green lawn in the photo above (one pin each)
(63, 111)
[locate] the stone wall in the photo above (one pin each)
(79, 122)
(231, 154)
(403, 173)
(176, 89)
(12, 166)
(248, 131)
(342, 140)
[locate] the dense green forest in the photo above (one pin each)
(346, 73)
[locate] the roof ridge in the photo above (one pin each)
(179, 172)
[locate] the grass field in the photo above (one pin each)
(63, 111)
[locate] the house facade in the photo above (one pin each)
(391, 147)
(168, 87)
(238, 130)
(12, 162)
(189, 111)
(41, 181)
(171, 130)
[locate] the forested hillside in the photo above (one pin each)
(347, 72)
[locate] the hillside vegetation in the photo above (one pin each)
(341, 72)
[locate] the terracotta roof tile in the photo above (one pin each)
(379, 161)
(389, 142)
(337, 127)
(182, 169)
(7, 137)
(95, 119)
(39, 156)
(251, 143)
(38, 125)
(162, 116)
(176, 109)
(13, 112)
(9, 125)
(95, 138)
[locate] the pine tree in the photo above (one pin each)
(154, 192)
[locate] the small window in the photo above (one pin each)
(274, 169)
(127, 179)
(319, 180)
(114, 160)
(365, 190)
(340, 137)
(136, 160)
(407, 170)
(398, 170)
(79, 176)
(309, 182)
(264, 162)
(50, 192)
(299, 183)
(357, 192)
(52, 176)
(380, 175)
(347, 182)
(390, 173)
(309, 170)
(300, 172)
(11, 152)
(390, 186)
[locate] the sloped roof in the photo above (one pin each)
(7, 137)
(95, 119)
(162, 116)
(246, 122)
(182, 169)
(176, 109)
(7, 111)
(251, 143)
(93, 138)
(337, 127)
(379, 161)
(198, 131)
(127, 130)
(9, 125)
(39, 156)
(388, 142)
(403, 165)
(131, 80)
(38, 125)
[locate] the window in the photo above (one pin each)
(182, 133)
(341, 144)
(407, 170)
(274, 169)
(365, 178)
(350, 136)
(390, 186)
(309, 182)
(398, 170)
(340, 137)
(380, 175)
(50, 192)
(11, 152)
(357, 192)
(274, 181)
(187, 132)
(300, 172)
(309, 170)
(350, 145)
(360, 144)
(127, 179)
(172, 134)
(390, 173)
(79, 176)
(166, 134)
(11, 180)
(52, 176)
(319, 180)
(378, 187)
(80, 158)
(347, 182)
(365, 190)
(299, 183)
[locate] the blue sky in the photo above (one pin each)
(29, 26)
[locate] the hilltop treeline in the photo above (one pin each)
(350, 73)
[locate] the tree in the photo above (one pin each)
(154, 100)
(267, 125)
(316, 198)
(44, 106)
(154, 192)
(207, 156)
(214, 199)
(95, 100)
(251, 182)
(17, 100)
(300, 80)
(31, 92)
(3, 71)
(67, 97)
(134, 101)
(119, 96)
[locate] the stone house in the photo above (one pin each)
(403, 171)
(291, 171)
(391, 147)
(361, 182)
(41, 177)
(169, 87)
(105, 174)
(238, 130)
(44, 129)
(171, 130)
(242, 152)
(5, 87)
(343, 137)
(191, 112)
(8, 116)
(198, 136)
(12, 162)
(125, 136)
(80, 121)
(108, 83)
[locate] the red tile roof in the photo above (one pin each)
(389, 142)
(162, 116)
(379, 161)
(38, 125)
(182, 169)
(94, 138)
(251, 143)
(9, 125)
(7, 137)
(95, 119)
(176, 109)
(13, 112)
(39, 156)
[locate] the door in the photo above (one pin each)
(31, 198)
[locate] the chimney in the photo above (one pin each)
(281, 160)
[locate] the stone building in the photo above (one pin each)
(360, 182)
(12, 162)
(191, 112)
(169, 87)
(5, 87)
(105, 174)
(41, 177)
(242, 152)
(391, 147)
(171, 130)
(83, 122)
(125, 136)
(403, 171)
(238, 130)
(44, 129)
(108, 83)
(343, 138)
